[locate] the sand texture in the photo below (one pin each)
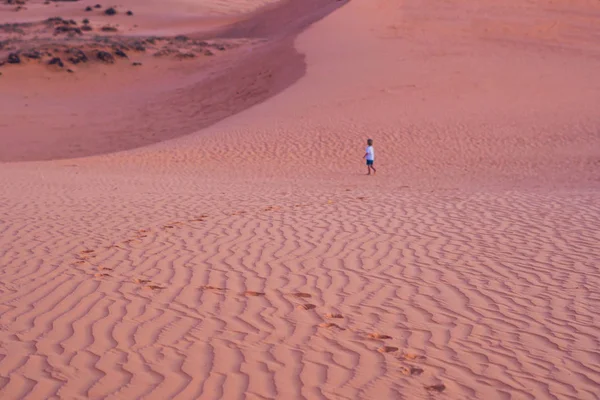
(201, 227)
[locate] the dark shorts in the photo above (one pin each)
(369, 162)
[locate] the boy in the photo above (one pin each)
(370, 156)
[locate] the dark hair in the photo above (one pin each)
(370, 142)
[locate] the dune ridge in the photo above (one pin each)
(253, 259)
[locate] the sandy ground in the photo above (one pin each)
(203, 228)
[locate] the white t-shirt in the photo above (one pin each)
(370, 153)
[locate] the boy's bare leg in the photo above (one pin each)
(374, 170)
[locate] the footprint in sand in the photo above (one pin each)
(302, 295)
(153, 287)
(412, 371)
(333, 315)
(412, 356)
(59, 376)
(208, 287)
(142, 233)
(330, 325)
(141, 281)
(101, 268)
(378, 336)
(100, 275)
(253, 294)
(387, 349)
(440, 387)
(306, 307)
(86, 251)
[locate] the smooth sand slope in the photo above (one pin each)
(253, 259)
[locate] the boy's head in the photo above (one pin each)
(370, 142)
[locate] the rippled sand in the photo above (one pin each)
(211, 233)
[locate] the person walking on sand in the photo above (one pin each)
(370, 157)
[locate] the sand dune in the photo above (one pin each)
(190, 89)
(222, 242)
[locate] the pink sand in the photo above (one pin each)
(205, 230)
